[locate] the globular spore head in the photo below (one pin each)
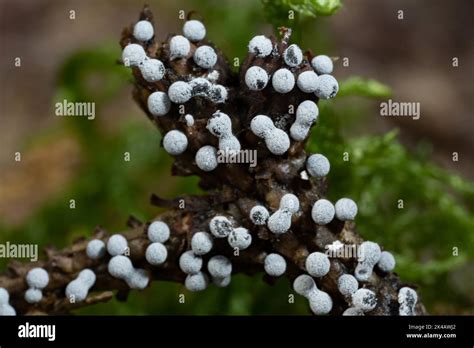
(33, 295)
(222, 282)
(194, 30)
(304, 285)
(156, 254)
(201, 243)
(117, 245)
(37, 278)
(318, 165)
(180, 92)
(346, 209)
(317, 264)
(386, 262)
(307, 81)
(159, 104)
(290, 202)
(261, 46)
(205, 57)
(220, 226)
(320, 302)
(219, 266)
(364, 299)
(219, 124)
(322, 64)
(143, 31)
(179, 47)
(133, 55)
(259, 215)
(4, 296)
(274, 265)
(256, 78)
(283, 80)
(158, 232)
(262, 126)
(95, 249)
(206, 158)
(407, 298)
(152, 70)
(239, 238)
(175, 142)
(120, 267)
(327, 87)
(277, 141)
(196, 282)
(347, 284)
(322, 212)
(190, 263)
(293, 56)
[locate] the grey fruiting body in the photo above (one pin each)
(317, 264)
(33, 295)
(121, 267)
(293, 56)
(156, 254)
(152, 70)
(190, 263)
(196, 282)
(307, 81)
(220, 125)
(175, 142)
(4, 296)
(353, 311)
(219, 266)
(205, 57)
(318, 165)
(280, 221)
(78, 289)
(306, 114)
(179, 47)
(133, 55)
(206, 158)
(180, 92)
(283, 81)
(346, 209)
(158, 232)
(347, 284)
(95, 249)
(261, 46)
(201, 243)
(322, 64)
(117, 245)
(220, 226)
(386, 262)
(304, 285)
(364, 299)
(276, 140)
(322, 212)
(369, 255)
(159, 103)
(320, 302)
(407, 298)
(222, 282)
(274, 265)
(256, 78)
(143, 31)
(218, 94)
(200, 87)
(194, 30)
(5, 308)
(259, 215)
(239, 238)
(327, 87)
(189, 120)
(37, 278)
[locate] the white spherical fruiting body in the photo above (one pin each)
(327, 87)
(283, 81)
(180, 92)
(346, 209)
(78, 289)
(190, 263)
(307, 81)
(37, 278)
(318, 165)
(194, 30)
(179, 47)
(274, 265)
(322, 64)
(196, 282)
(143, 31)
(239, 238)
(205, 57)
(33, 295)
(322, 212)
(306, 114)
(220, 125)
(175, 142)
(201, 243)
(320, 302)
(133, 55)
(219, 266)
(261, 46)
(304, 285)
(256, 78)
(353, 311)
(159, 104)
(369, 255)
(156, 254)
(280, 221)
(121, 267)
(206, 158)
(293, 56)
(386, 262)
(152, 70)
(218, 94)
(347, 284)
(317, 264)
(259, 215)
(220, 226)
(364, 299)
(95, 249)
(189, 120)
(5, 307)
(158, 232)
(117, 245)
(276, 140)
(407, 299)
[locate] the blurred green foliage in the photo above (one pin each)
(437, 213)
